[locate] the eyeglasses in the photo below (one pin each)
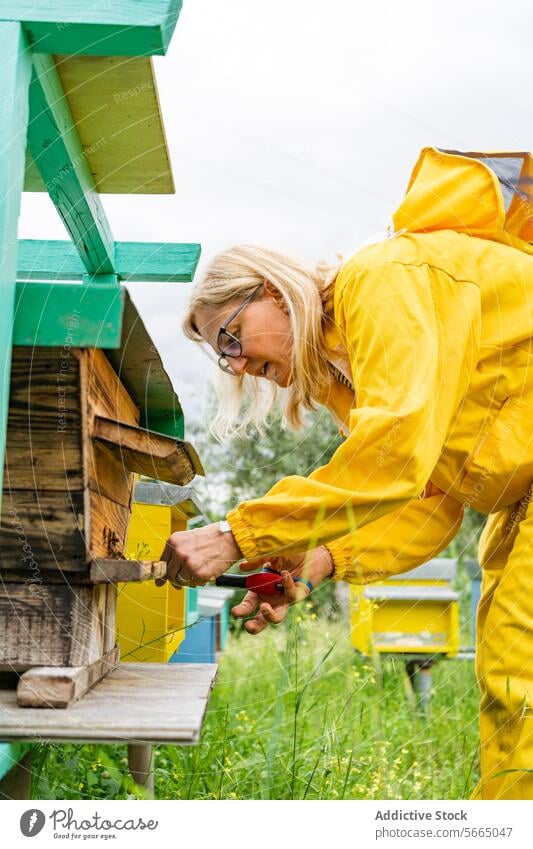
(227, 343)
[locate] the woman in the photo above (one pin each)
(421, 347)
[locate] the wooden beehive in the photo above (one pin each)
(73, 444)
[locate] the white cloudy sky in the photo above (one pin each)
(294, 124)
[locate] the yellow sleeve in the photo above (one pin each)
(412, 335)
(397, 542)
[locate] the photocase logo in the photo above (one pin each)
(32, 822)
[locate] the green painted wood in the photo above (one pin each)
(68, 314)
(157, 261)
(58, 154)
(14, 86)
(134, 261)
(98, 28)
(10, 755)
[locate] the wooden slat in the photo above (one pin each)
(108, 527)
(141, 702)
(134, 261)
(44, 449)
(123, 27)
(113, 571)
(151, 454)
(50, 625)
(14, 86)
(48, 314)
(59, 687)
(58, 153)
(10, 755)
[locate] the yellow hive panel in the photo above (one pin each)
(146, 613)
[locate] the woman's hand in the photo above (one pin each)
(314, 567)
(195, 557)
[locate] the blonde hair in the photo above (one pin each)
(247, 400)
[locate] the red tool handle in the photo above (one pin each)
(266, 582)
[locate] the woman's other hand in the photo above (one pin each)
(314, 567)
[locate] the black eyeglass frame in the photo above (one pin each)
(222, 360)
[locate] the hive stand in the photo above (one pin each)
(84, 399)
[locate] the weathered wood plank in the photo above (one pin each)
(141, 702)
(109, 635)
(50, 625)
(48, 314)
(59, 687)
(134, 261)
(58, 153)
(114, 571)
(106, 395)
(16, 72)
(120, 28)
(115, 105)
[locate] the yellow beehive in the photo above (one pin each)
(415, 613)
(151, 620)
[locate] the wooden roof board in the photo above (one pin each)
(115, 106)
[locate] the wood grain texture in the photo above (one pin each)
(120, 28)
(15, 82)
(59, 687)
(53, 259)
(138, 702)
(115, 108)
(144, 451)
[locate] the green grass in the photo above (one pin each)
(296, 714)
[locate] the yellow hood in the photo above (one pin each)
(484, 195)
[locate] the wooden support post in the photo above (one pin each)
(15, 76)
(141, 766)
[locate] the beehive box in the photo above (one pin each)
(415, 613)
(73, 445)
